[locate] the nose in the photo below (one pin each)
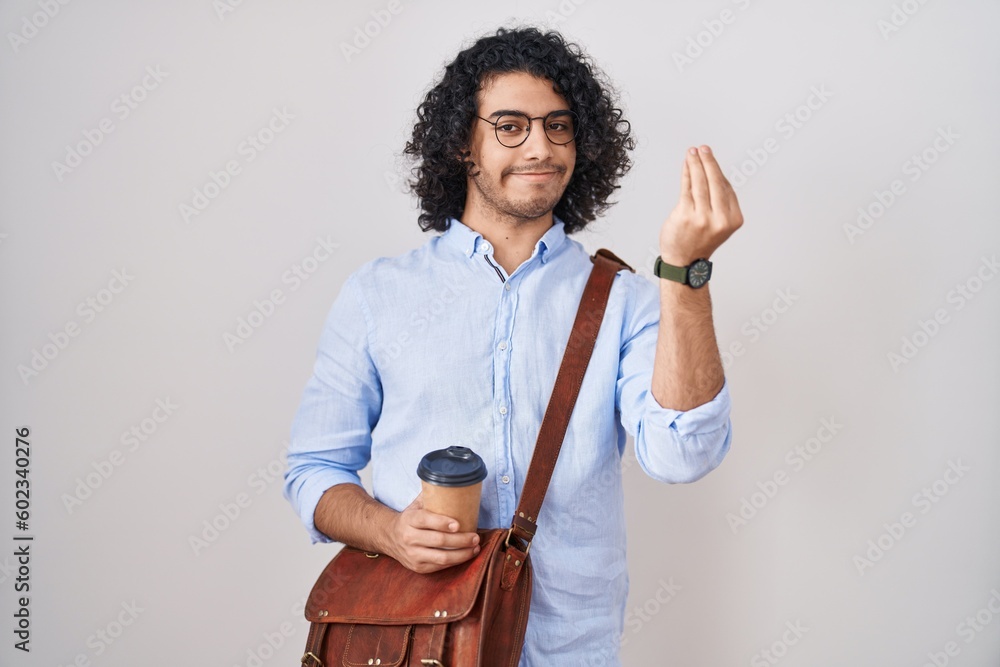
(537, 146)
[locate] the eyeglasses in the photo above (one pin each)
(512, 129)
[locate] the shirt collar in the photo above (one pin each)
(468, 242)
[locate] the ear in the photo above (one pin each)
(465, 157)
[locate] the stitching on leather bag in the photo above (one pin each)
(402, 649)
(514, 659)
(350, 634)
(396, 660)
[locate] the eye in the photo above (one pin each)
(511, 125)
(560, 126)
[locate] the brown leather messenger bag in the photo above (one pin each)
(368, 609)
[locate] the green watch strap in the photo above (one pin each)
(670, 272)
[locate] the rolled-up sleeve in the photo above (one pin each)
(671, 446)
(331, 431)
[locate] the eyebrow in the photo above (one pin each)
(505, 112)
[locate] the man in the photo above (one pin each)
(458, 342)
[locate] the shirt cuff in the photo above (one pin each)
(308, 492)
(677, 446)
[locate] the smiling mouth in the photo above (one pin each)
(536, 175)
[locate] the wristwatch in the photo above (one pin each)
(696, 274)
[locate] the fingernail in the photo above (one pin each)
(476, 550)
(693, 151)
(705, 149)
(453, 526)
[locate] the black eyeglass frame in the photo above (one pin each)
(557, 113)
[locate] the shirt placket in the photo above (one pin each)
(502, 407)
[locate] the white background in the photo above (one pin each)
(334, 173)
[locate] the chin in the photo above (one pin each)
(531, 213)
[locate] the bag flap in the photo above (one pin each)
(356, 588)
(383, 645)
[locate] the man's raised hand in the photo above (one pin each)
(706, 214)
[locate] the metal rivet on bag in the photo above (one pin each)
(521, 514)
(437, 614)
(323, 613)
(517, 563)
(508, 556)
(444, 613)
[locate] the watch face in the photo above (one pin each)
(699, 273)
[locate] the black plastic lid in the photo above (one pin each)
(455, 466)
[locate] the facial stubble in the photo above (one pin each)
(500, 204)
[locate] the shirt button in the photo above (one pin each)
(506, 286)
(503, 345)
(503, 409)
(505, 479)
(486, 247)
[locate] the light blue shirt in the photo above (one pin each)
(440, 347)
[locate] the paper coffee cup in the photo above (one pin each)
(452, 481)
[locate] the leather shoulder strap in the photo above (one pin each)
(568, 382)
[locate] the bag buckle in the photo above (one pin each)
(311, 656)
(506, 542)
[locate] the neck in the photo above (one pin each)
(513, 239)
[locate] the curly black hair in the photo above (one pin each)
(444, 125)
